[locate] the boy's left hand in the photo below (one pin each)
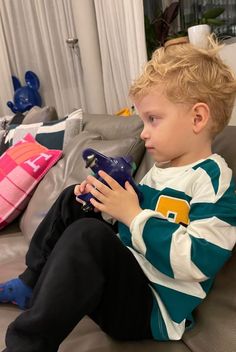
(121, 203)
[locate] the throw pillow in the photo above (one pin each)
(21, 168)
(37, 114)
(52, 134)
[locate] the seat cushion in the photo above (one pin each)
(12, 245)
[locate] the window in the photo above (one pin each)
(192, 10)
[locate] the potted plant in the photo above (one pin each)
(159, 29)
(198, 33)
(160, 32)
(210, 17)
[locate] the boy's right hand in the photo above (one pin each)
(82, 189)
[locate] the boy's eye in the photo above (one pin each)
(152, 118)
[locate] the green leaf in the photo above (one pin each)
(215, 21)
(203, 20)
(213, 13)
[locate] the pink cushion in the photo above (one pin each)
(22, 166)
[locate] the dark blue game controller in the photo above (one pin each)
(119, 168)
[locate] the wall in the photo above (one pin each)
(228, 54)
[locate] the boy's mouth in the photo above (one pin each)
(149, 149)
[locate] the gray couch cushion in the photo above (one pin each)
(113, 127)
(12, 244)
(225, 145)
(112, 141)
(216, 317)
(37, 114)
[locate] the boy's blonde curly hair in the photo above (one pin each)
(190, 75)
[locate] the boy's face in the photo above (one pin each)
(167, 132)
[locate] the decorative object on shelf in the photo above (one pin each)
(27, 96)
(198, 35)
(160, 32)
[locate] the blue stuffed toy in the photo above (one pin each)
(27, 96)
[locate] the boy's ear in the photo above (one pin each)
(201, 116)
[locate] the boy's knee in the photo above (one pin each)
(68, 191)
(88, 231)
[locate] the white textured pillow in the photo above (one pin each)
(52, 134)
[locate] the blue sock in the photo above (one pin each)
(15, 291)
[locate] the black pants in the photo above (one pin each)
(78, 266)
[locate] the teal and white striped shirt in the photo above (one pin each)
(183, 237)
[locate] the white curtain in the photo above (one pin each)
(110, 52)
(35, 33)
(123, 49)
(5, 75)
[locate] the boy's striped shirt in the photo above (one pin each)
(182, 238)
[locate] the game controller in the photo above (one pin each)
(119, 168)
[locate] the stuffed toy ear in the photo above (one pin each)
(32, 80)
(16, 83)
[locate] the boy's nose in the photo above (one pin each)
(143, 134)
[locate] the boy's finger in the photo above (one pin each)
(129, 187)
(77, 189)
(109, 180)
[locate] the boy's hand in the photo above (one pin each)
(121, 203)
(82, 188)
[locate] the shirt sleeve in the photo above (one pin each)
(197, 251)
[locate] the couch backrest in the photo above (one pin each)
(225, 145)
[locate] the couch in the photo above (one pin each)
(215, 329)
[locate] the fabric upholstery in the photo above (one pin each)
(37, 114)
(225, 145)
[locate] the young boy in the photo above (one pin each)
(147, 282)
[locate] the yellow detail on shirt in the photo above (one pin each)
(174, 209)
